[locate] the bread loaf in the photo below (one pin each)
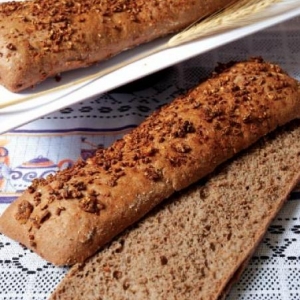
(196, 243)
(39, 39)
(68, 217)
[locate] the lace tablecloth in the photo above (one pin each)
(58, 139)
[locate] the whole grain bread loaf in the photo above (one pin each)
(39, 39)
(68, 217)
(196, 243)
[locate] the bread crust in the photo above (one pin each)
(39, 39)
(68, 217)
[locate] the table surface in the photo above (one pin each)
(56, 140)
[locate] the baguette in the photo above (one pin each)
(197, 243)
(68, 217)
(39, 39)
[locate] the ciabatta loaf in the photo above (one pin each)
(39, 39)
(68, 217)
(194, 245)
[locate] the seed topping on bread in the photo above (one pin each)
(140, 149)
(57, 18)
(174, 147)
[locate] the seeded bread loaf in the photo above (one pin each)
(39, 39)
(195, 245)
(68, 217)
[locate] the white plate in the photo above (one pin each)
(78, 85)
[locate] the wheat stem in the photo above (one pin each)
(240, 13)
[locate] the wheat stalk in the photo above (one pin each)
(238, 14)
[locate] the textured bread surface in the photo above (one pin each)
(68, 217)
(193, 245)
(39, 39)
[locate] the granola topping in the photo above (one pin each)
(24, 211)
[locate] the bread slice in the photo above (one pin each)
(193, 245)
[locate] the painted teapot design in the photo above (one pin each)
(39, 167)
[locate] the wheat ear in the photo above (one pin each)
(238, 14)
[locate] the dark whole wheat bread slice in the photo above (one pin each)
(193, 246)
